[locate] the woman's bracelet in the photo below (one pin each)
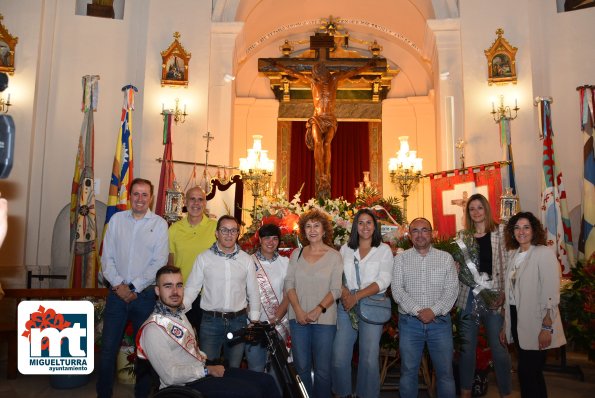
(548, 328)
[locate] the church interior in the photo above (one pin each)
(436, 78)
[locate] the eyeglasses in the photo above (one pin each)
(226, 231)
(421, 231)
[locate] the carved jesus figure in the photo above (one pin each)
(321, 127)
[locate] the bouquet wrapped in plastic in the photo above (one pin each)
(467, 255)
(352, 312)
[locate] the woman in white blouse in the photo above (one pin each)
(532, 289)
(366, 255)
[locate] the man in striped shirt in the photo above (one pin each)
(425, 286)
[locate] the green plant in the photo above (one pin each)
(577, 307)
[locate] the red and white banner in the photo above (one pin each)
(450, 191)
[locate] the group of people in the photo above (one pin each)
(203, 280)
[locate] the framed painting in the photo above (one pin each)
(174, 65)
(501, 58)
(8, 43)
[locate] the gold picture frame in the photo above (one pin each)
(501, 57)
(8, 43)
(174, 66)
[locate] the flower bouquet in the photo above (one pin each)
(467, 255)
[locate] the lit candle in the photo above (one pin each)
(184, 109)
(8, 102)
(515, 101)
(493, 108)
(162, 107)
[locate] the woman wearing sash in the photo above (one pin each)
(492, 260)
(271, 269)
(368, 270)
(312, 285)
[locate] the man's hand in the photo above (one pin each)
(124, 292)
(216, 370)
(426, 315)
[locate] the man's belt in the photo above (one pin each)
(225, 315)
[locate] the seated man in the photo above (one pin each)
(167, 340)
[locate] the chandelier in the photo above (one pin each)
(257, 169)
(405, 171)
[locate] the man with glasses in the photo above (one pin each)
(229, 280)
(189, 237)
(425, 286)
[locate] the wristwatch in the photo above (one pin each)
(131, 287)
(322, 308)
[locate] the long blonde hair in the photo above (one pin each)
(489, 222)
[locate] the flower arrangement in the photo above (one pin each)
(466, 253)
(128, 348)
(577, 307)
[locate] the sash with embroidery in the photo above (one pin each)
(178, 333)
(269, 300)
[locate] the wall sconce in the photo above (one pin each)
(228, 78)
(504, 112)
(5, 103)
(257, 169)
(405, 171)
(179, 116)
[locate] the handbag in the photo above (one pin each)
(375, 309)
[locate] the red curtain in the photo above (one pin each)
(450, 193)
(350, 157)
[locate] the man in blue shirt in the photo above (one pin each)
(135, 246)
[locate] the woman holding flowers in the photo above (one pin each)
(312, 285)
(367, 268)
(485, 246)
(532, 296)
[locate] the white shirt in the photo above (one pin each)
(173, 364)
(133, 250)
(229, 283)
(377, 267)
(276, 272)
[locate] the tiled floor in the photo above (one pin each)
(559, 385)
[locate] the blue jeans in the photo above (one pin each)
(213, 335)
(116, 315)
(368, 369)
(492, 321)
(312, 347)
(413, 334)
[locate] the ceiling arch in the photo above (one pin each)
(399, 26)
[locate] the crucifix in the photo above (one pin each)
(207, 137)
(324, 74)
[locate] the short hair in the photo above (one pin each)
(198, 188)
(141, 181)
(420, 219)
(167, 269)
(490, 224)
(316, 215)
(269, 230)
(354, 236)
(536, 227)
(226, 217)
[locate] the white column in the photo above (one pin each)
(449, 90)
(221, 93)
